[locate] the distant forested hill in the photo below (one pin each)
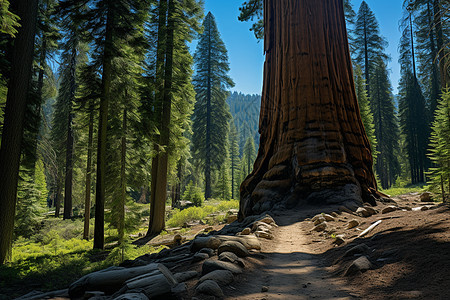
(245, 112)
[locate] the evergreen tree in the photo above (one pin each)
(440, 147)
(368, 44)
(248, 158)
(233, 142)
(176, 23)
(211, 114)
(386, 126)
(365, 110)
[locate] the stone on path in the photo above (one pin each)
(363, 212)
(246, 231)
(228, 257)
(209, 251)
(222, 277)
(264, 235)
(320, 227)
(361, 264)
(389, 209)
(210, 287)
(352, 224)
(234, 247)
(426, 197)
(212, 265)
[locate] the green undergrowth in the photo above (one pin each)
(217, 209)
(401, 189)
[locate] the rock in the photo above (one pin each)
(91, 294)
(222, 277)
(261, 226)
(339, 240)
(328, 218)
(212, 265)
(228, 257)
(231, 219)
(234, 247)
(420, 208)
(358, 249)
(210, 287)
(185, 276)
(363, 212)
(268, 220)
(264, 235)
(318, 220)
(361, 264)
(131, 296)
(200, 257)
(246, 231)
(389, 209)
(426, 197)
(334, 214)
(205, 242)
(320, 227)
(264, 289)
(371, 210)
(352, 224)
(177, 240)
(209, 251)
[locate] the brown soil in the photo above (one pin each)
(410, 251)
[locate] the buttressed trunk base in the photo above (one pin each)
(313, 146)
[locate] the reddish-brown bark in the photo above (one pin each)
(313, 145)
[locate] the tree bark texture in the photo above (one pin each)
(69, 143)
(20, 75)
(99, 228)
(313, 145)
(87, 196)
(158, 214)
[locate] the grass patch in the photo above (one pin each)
(179, 217)
(400, 190)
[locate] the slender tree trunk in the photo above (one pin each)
(123, 177)
(157, 221)
(159, 82)
(208, 190)
(313, 146)
(87, 196)
(58, 197)
(232, 174)
(99, 228)
(69, 143)
(20, 76)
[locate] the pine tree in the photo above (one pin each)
(233, 142)
(369, 45)
(211, 114)
(440, 147)
(386, 126)
(365, 110)
(248, 158)
(176, 23)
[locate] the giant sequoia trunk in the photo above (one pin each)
(313, 146)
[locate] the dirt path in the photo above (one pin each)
(290, 269)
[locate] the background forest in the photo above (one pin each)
(127, 130)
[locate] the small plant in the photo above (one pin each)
(193, 194)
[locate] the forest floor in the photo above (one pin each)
(409, 249)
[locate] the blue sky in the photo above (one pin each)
(246, 54)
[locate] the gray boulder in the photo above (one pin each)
(212, 265)
(210, 287)
(185, 276)
(358, 249)
(361, 264)
(222, 277)
(234, 247)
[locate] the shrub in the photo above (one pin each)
(193, 194)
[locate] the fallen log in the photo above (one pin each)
(109, 280)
